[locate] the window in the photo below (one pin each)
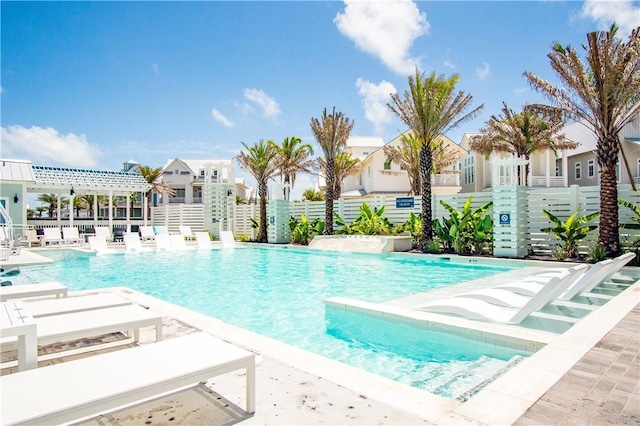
(201, 173)
(591, 168)
(179, 192)
(578, 171)
(557, 171)
(365, 152)
(468, 171)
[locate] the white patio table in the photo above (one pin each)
(16, 322)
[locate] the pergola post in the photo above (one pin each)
(95, 210)
(145, 207)
(71, 197)
(58, 210)
(127, 214)
(111, 210)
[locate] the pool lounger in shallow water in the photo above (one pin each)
(32, 290)
(82, 388)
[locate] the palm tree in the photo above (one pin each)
(51, 200)
(331, 133)
(295, 157)
(522, 133)
(79, 204)
(312, 195)
(154, 178)
(603, 92)
(406, 154)
(262, 162)
(345, 165)
(431, 107)
(88, 199)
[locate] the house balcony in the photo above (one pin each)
(176, 200)
(445, 179)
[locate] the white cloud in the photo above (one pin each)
(155, 68)
(447, 63)
(483, 71)
(374, 101)
(218, 116)
(625, 13)
(269, 105)
(385, 29)
(46, 145)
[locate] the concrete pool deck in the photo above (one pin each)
(297, 387)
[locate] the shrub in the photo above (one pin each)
(572, 231)
(597, 253)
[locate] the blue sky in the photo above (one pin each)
(92, 84)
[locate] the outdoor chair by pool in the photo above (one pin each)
(98, 243)
(30, 238)
(484, 311)
(178, 243)
(70, 305)
(133, 244)
(500, 295)
(32, 290)
(71, 236)
(146, 233)
(186, 232)
(160, 230)
(52, 236)
(203, 240)
(69, 391)
(104, 231)
(227, 239)
(163, 242)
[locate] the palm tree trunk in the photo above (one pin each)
(425, 179)
(262, 231)
(608, 228)
(329, 194)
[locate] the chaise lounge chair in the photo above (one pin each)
(70, 305)
(32, 290)
(133, 244)
(69, 391)
(227, 239)
(203, 240)
(71, 236)
(178, 243)
(98, 243)
(163, 242)
(51, 236)
(146, 233)
(186, 232)
(480, 310)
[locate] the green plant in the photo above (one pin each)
(243, 238)
(433, 246)
(560, 253)
(636, 219)
(303, 231)
(597, 253)
(441, 230)
(413, 226)
(468, 230)
(572, 231)
(370, 222)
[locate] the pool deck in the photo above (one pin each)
(589, 374)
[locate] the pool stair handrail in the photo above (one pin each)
(98, 244)
(203, 240)
(133, 244)
(484, 311)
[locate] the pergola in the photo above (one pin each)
(67, 181)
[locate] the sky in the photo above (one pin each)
(94, 84)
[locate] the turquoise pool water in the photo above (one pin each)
(279, 293)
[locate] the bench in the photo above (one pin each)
(86, 387)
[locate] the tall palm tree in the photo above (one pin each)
(603, 92)
(331, 133)
(51, 201)
(522, 133)
(431, 107)
(312, 195)
(154, 178)
(295, 157)
(344, 165)
(262, 162)
(407, 155)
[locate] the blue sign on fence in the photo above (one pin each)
(505, 218)
(404, 202)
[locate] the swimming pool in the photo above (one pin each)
(279, 293)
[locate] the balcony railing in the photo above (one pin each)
(445, 179)
(176, 200)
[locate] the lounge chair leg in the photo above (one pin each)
(251, 386)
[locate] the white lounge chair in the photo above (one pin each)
(161, 229)
(503, 297)
(227, 239)
(69, 305)
(146, 233)
(480, 310)
(71, 236)
(69, 391)
(30, 238)
(52, 236)
(23, 291)
(203, 240)
(133, 244)
(163, 242)
(178, 243)
(186, 232)
(98, 243)
(103, 231)
(80, 325)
